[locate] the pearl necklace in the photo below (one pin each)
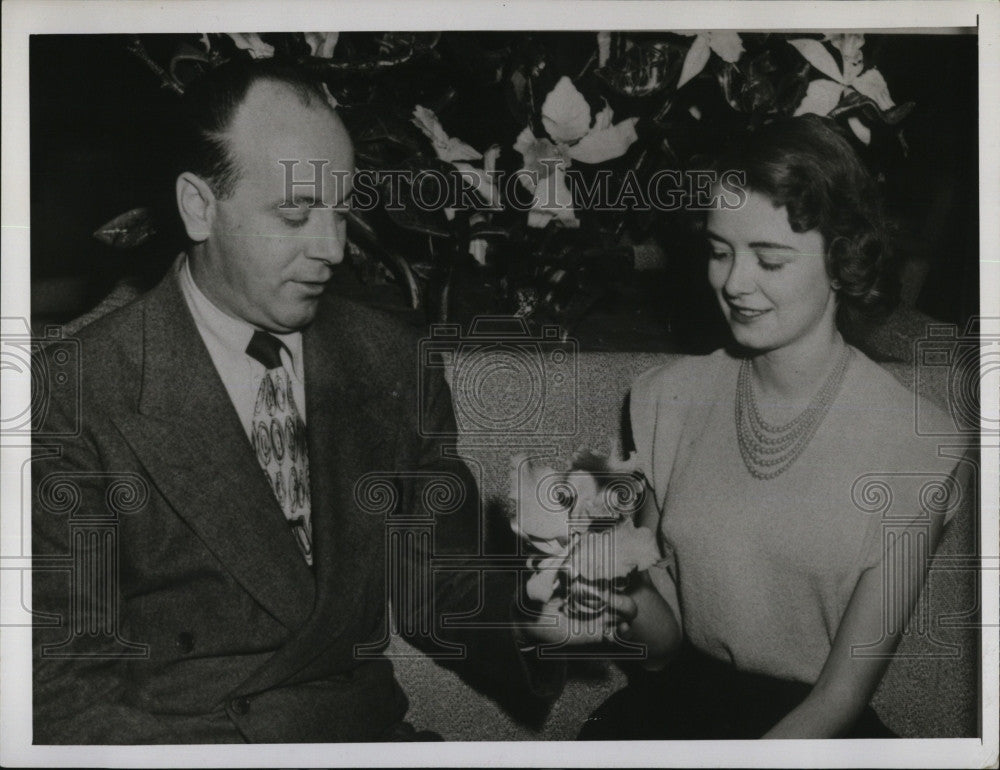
(769, 450)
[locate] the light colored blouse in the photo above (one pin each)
(762, 570)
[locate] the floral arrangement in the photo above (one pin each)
(580, 526)
(545, 144)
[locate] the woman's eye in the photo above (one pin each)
(720, 254)
(296, 221)
(771, 266)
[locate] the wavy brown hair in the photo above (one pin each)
(806, 165)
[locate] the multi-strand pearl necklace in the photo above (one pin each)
(769, 450)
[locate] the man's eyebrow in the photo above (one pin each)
(310, 201)
(297, 200)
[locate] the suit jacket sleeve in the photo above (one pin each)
(80, 639)
(493, 662)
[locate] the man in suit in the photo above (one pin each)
(207, 566)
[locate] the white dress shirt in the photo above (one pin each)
(227, 338)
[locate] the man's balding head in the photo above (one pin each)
(210, 105)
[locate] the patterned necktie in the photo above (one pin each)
(278, 436)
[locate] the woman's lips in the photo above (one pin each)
(746, 314)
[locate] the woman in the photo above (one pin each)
(773, 618)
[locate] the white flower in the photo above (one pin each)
(250, 41)
(727, 45)
(565, 113)
(567, 119)
(321, 44)
(822, 96)
(447, 148)
(603, 48)
(575, 136)
(631, 548)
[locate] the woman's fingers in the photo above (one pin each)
(623, 606)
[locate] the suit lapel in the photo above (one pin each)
(193, 445)
(349, 428)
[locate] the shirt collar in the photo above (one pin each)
(233, 333)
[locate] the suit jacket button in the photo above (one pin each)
(185, 641)
(241, 705)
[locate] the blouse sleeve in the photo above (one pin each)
(658, 410)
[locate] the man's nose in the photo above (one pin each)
(329, 238)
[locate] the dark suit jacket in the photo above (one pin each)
(157, 519)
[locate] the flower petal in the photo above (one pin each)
(445, 147)
(542, 584)
(534, 151)
(726, 44)
(850, 45)
(250, 41)
(330, 98)
(455, 150)
(634, 548)
(814, 52)
(873, 85)
(821, 97)
(321, 44)
(481, 182)
(602, 119)
(860, 129)
(603, 48)
(599, 146)
(477, 248)
(529, 482)
(695, 60)
(565, 113)
(553, 201)
(490, 158)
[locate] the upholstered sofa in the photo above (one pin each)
(932, 685)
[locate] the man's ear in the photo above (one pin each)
(196, 204)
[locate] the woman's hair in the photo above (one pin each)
(807, 166)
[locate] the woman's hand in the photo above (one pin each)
(554, 627)
(655, 623)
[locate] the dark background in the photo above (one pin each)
(100, 128)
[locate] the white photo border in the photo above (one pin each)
(22, 18)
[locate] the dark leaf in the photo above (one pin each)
(128, 230)
(644, 69)
(854, 103)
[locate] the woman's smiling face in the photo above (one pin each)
(771, 282)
